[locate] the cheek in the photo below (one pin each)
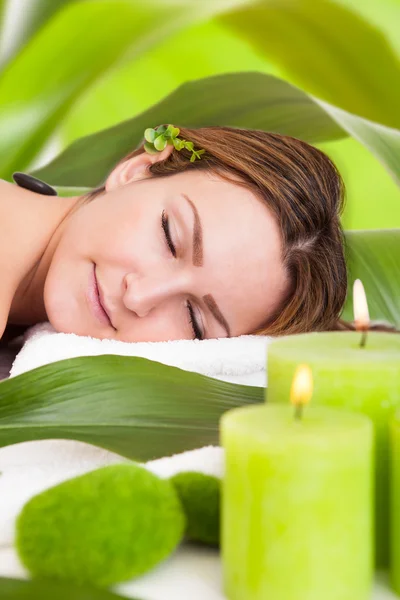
(64, 287)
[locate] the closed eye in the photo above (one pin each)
(198, 334)
(165, 226)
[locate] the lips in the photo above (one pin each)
(101, 298)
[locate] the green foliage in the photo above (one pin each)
(200, 496)
(100, 528)
(157, 139)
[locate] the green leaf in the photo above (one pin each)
(252, 100)
(150, 148)
(49, 589)
(176, 143)
(160, 142)
(161, 129)
(150, 135)
(175, 131)
(328, 51)
(373, 257)
(138, 408)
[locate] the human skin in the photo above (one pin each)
(144, 287)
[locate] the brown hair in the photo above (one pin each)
(305, 192)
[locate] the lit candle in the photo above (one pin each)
(296, 518)
(353, 371)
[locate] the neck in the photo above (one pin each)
(33, 225)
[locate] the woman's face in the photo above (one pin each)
(227, 265)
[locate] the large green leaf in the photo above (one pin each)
(80, 43)
(251, 100)
(138, 408)
(374, 257)
(327, 50)
(49, 589)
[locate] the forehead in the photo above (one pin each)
(242, 247)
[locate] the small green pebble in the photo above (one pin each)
(101, 528)
(200, 496)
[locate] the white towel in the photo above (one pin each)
(239, 359)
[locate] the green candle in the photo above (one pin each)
(394, 436)
(364, 379)
(296, 504)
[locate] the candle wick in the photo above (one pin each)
(298, 411)
(363, 338)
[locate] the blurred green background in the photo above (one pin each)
(122, 57)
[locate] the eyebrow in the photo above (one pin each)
(198, 262)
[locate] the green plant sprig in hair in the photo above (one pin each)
(157, 139)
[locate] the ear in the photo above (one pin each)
(135, 168)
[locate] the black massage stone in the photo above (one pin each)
(35, 185)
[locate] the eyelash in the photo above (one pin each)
(164, 224)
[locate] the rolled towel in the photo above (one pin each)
(239, 359)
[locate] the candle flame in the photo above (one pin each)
(302, 385)
(360, 306)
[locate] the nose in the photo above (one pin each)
(144, 293)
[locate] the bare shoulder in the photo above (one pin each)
(8, 273)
